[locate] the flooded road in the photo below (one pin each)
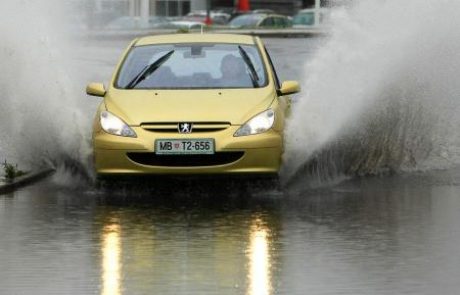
(376, 100)
(388, 235)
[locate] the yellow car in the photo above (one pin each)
(191, 104)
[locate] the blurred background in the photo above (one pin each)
(145, 14)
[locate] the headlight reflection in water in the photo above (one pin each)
(259, 260)
(111, 259)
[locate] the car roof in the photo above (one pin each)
(195, 38)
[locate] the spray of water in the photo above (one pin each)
(39, 110)
(382, 94)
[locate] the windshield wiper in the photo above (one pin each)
(252, 70)
(148, 70)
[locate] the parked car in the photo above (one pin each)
(258, 20)
(191, 104)
(266, 11)
(218, 18)
(306, 18)
(186, 25)
(136, 23)
(236, 13)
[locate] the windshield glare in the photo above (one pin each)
(194, 66)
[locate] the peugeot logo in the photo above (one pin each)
(185, 127)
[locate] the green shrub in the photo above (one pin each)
(11, 171)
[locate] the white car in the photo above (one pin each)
(187, 25)
(219, 18)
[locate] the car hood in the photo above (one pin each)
(217, 105)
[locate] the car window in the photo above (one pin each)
(307, 19)
(195, 65)
(268, 22)
(249, 20)
(280, 22)
(284, 22)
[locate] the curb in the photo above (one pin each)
(24, 180)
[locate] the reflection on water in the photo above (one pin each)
(189, 256)
(371, 236)
(259, 260)
(111, 259)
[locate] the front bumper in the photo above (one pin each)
(254, 154)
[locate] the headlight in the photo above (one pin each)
(258, 124)
(114, 125)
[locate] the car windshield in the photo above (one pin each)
(192, 66)
(249, 20)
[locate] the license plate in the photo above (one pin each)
(184, 146)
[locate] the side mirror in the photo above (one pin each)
(289, 87)
(95, 89)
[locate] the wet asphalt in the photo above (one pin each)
(385, 235)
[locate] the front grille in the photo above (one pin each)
(152, 159)
(197, 126)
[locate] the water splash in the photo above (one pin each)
(382, 94)
(39, 111)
